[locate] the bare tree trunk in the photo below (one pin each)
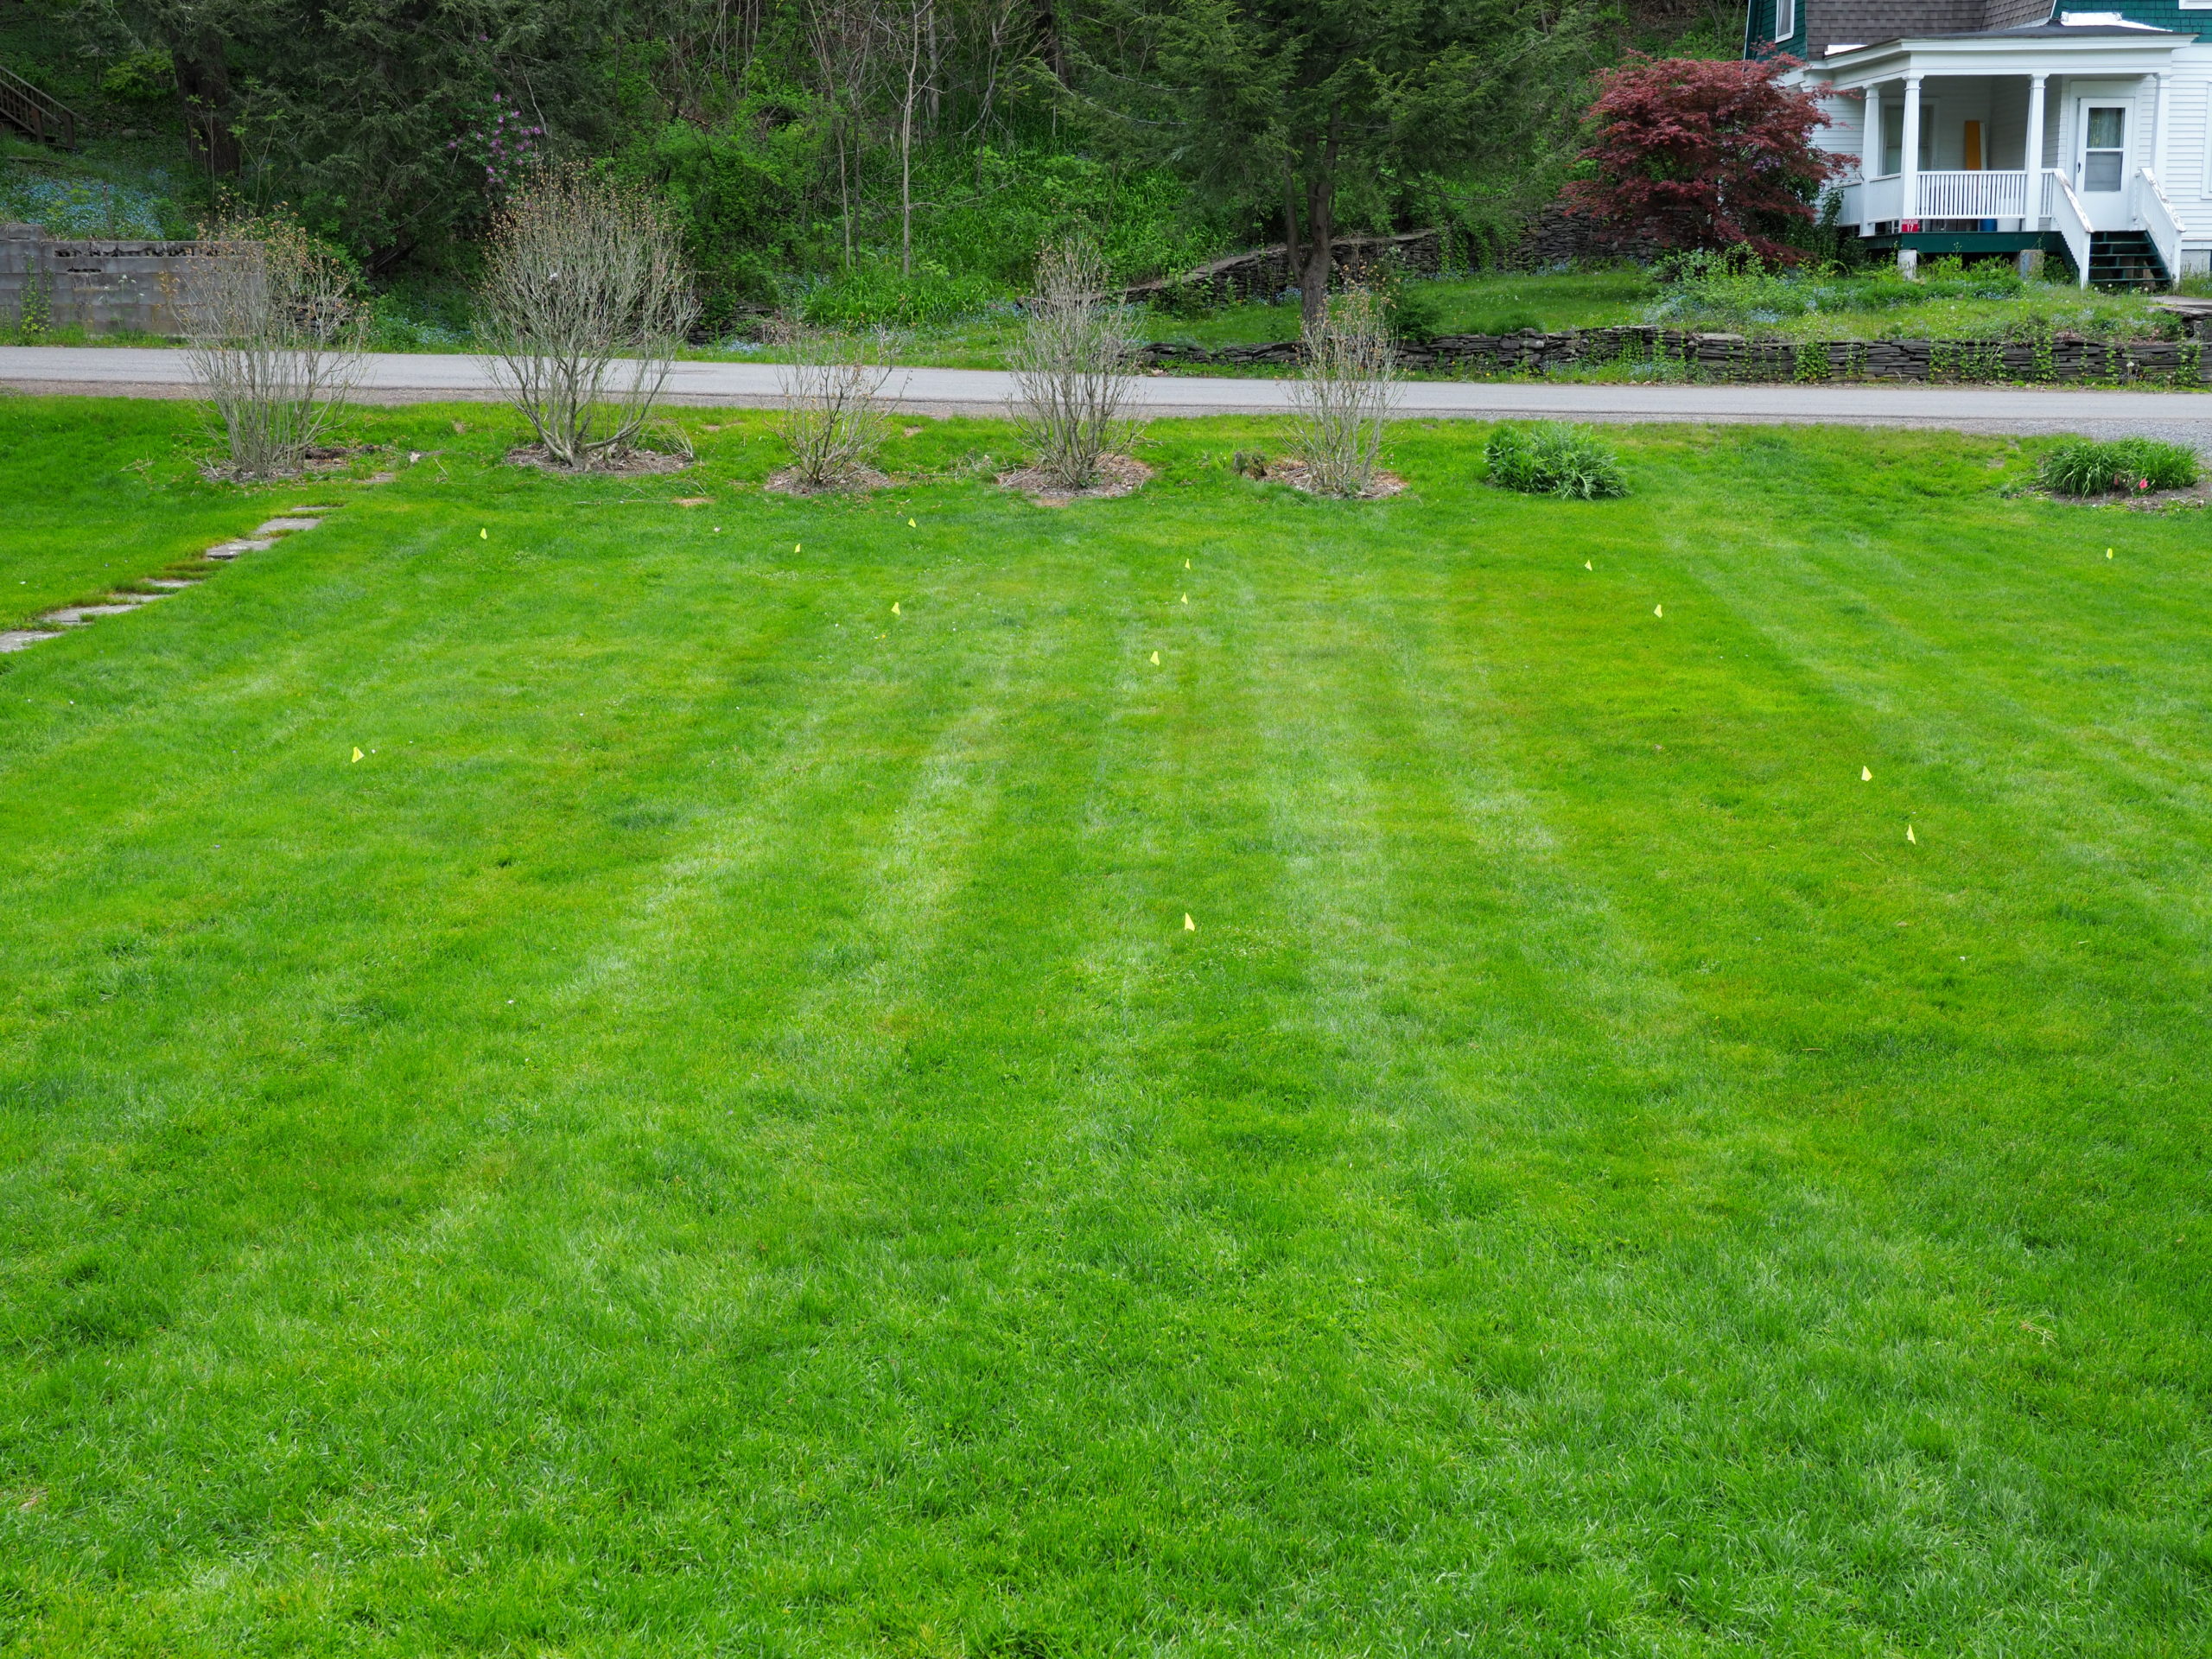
(203, 84)
(997, 28)
(906, 146)
(1320, 233)
(935, 66)
(1292, 262)
(1047, 17)
(830, 33)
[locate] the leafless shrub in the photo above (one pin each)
(1068, 367)
(1345, 395)
(833, 416)
(273, 336)
(585, 300)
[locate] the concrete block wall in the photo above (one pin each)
(100, 284)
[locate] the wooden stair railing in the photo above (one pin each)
(37, 116)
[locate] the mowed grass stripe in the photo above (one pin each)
(878, 1226)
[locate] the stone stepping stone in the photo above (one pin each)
(285, 526)
(23, 639)
(231, 549)
(171, 583)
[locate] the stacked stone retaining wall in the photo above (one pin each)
(1735, 357)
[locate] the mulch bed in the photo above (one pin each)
(1117, 475)
(1297, 476)
(788, 482)
(631, 463)
(2198, 494)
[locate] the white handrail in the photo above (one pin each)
(2158, 219)
(2064, 210)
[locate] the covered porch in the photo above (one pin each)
(2029, 141)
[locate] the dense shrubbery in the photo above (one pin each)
(875, 293)
(2138, 465)
(734, 195)
(1548, 459)
(741, 194)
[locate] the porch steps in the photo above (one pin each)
(2125, 259)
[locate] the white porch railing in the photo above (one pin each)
(2156, 214)
(1879, 199)
(1939, 195)
(1973, 195)
(2064, 208)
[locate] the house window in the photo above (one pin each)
(2104, 153)
(1785, 20)
(1893, 137)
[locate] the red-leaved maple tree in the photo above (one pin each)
(1698, 153)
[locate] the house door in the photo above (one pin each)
(2100, 170)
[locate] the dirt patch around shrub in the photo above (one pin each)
(632, 463)
(1298, 476)
(859, 482)
(1117, 475)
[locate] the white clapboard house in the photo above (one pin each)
(2004, 126)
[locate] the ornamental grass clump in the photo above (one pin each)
(1548, 458)
(2083, 467)
(273, 337)
(585, 297)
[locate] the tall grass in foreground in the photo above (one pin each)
(2084, 466)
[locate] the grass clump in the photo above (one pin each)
(2083, 467)
(1570, 462)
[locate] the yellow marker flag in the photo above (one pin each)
(1155, 659)
(1186, 564)
(483, 535)
(2107, 552)
(1658, 610)
(1586, 565)
(911, 525)
(1186, 599)
(1910, 836)
(1866, 774)
(894, 608)
(1189, 926)
(795, 546)
(356, 753)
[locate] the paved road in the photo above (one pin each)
(393, 377)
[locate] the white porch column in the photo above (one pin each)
(1908, 176)
(2161, 108)
(2033, 159)
(1870, 157)
(2031, 262)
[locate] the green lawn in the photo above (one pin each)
(714, 1136)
